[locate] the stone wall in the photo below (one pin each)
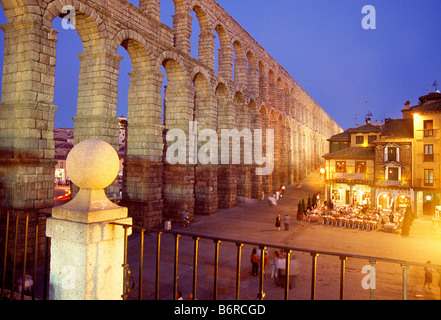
(249, 89)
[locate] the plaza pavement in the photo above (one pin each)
(253, 221)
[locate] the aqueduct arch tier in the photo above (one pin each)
(250, 90)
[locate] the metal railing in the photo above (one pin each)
(343, 257)
(20, 231)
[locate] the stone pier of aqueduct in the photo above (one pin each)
(248, 89)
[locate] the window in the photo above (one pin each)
(392, 174)
(428, 177)
(337, 146)
(359, 139)
(360, 167)
(371, 139)
(428, 128)
(392, 154)
(340, 166)
(428, 153)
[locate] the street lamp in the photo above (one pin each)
(323, 176)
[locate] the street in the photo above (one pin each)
(254, 222)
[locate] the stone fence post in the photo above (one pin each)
(86, 250)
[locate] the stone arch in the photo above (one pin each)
(252, 74)
(280, 95)
(141, 54)
(263, 82)
(293, 104)
(176, 68)
(239, 64)
(205, 112)
(89, 24)
(205, 48)
(225, 54)
(205, 115)
(272, 87)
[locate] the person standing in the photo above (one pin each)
(428, 275)
(278, 222)
(254, 263)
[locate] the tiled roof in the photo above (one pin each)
(397, 130)
(428, 103)
(368, 127)
(352, 153)
(343, 136)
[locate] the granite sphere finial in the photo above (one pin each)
(92, 164)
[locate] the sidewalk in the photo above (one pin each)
(253, 221)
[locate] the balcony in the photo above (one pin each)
(427, 134)
(350, 176)
(421, 183)
(424, 157)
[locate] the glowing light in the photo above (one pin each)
(428, 198)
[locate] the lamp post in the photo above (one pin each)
(323, 178)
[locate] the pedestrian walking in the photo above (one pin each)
(278, 222)
(294, 271)
(272, 202)
(281, 268)
(254, 262)
(286, 220)
(428, 275)
(274, 265)
(185, 214)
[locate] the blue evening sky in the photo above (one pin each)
(347, 70)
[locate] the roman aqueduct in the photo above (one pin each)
(248, 89)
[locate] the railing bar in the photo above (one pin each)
(158, 257)
(175, 282)
(14, 259)
(287, 266)
(216, 268)
(124, 295)
(195, 265)
(295, 249)
(342, 276)
(238, 263)
(35, 257)
(141, 263)
(23, 280)
(6, 250)
(314, 255)
(314, 274)
(46, 268)
(261, 295)
(405, 267)
(373, 278)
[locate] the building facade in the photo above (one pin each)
(349, 166)
(426, 119)
(392, 166)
